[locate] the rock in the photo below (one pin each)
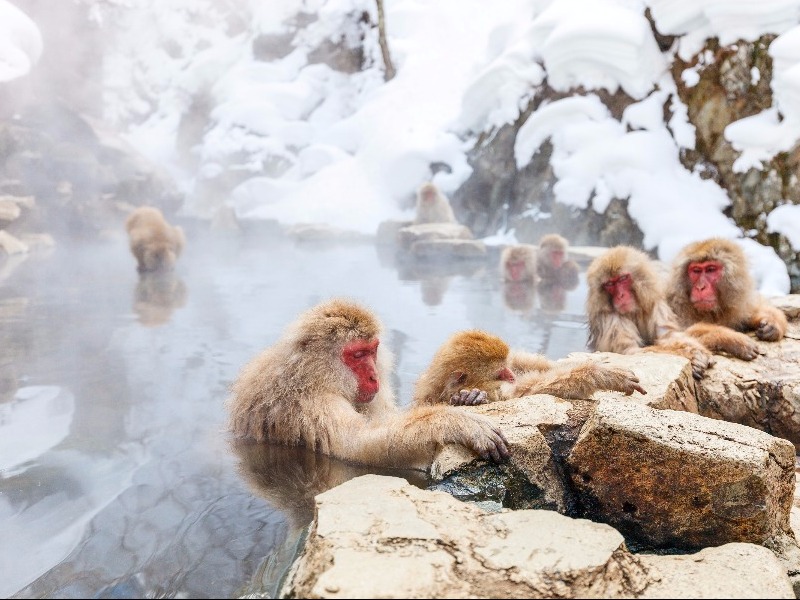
(432, 231)
(448, 249)
(674, 479)
(718, 573)
(318, 232)
(12, 245)
(380, 537)
(388, 231)
(9, 211)
(763, 393)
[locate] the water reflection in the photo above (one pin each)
(157, 296)
(117, 477)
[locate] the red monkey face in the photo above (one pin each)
(704, 277)
(359, 356)
(619, 289)
(515, 269)
(556, 258)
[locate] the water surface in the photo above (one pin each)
(116, 477)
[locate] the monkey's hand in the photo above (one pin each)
(622, 380)
(741, 346)
(483, 437)
(701, 361)
(469, 398)
(768, 331)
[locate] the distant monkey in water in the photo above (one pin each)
(324, 385)
(432, 206)
(474, 367)
(552, 264)
(518, 263)
(712, 294)
(155, 243)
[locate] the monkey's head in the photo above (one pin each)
(472, 359)
(712, 275)
(340, 332)
(623, 281)
(517, 263)
(427, 193)
(553, 250)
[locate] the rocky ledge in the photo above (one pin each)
(687, 491)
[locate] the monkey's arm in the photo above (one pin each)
(769, 322)
(411, 438)
(579, 382)
(719, 338)
(568, 275)
(521, 361)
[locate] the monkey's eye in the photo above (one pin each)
(696, 270)
(622, 278)
(712, 269)
(360, 354)
(609, 285)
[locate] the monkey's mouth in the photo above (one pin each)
(705, 305)
(365, 396)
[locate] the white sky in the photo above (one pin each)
(356, 147)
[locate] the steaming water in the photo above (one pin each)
(116, 479)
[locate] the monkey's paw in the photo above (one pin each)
(745, 348)
(623, 380)
(486, 439)
(768, 331)
(469, 398)
(701, 361)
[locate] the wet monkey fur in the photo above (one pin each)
(714, 296)
(627, 311)
(324, 385)
(475, 367)
(155, 243)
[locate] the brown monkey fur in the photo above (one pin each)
(565, 275)
(299, 392)
(518, 263)
(739, 305)
(473, 360)
(652, 326)
(155, 243)
(432, 206)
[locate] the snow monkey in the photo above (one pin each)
(474, 367)
(712, 294)
(324, 385)
(518, 263)
(552, 264)
(627, 311)
(155, 243)
(432, 206)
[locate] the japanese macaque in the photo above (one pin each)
(155, 243)
(323, 385)
(518, 263)
(475, 367)
(432, 206)
(627, 311)
(552, 264)
(712, 292)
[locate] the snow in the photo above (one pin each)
(20, 42)
(349, 149)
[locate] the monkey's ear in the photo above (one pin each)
(457, 377)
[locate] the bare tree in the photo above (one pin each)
(389, 71)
